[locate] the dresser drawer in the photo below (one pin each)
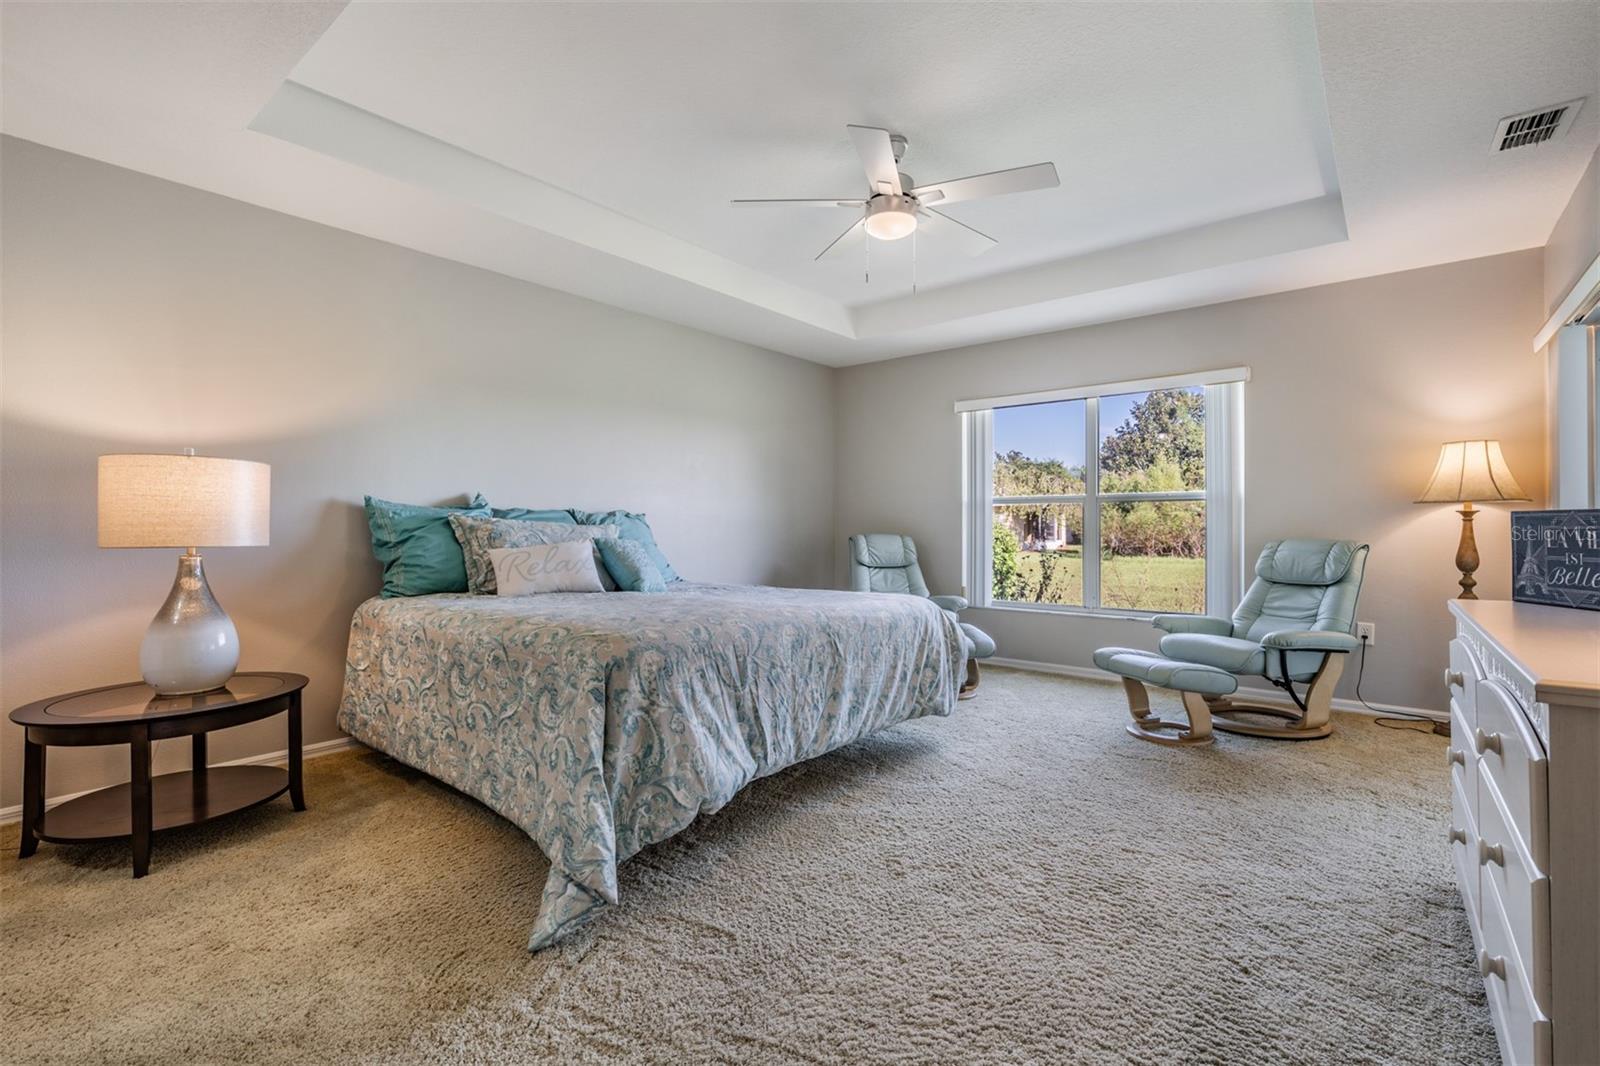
(1512, 756)
(1464, 847)
(1459, 751)
(1522, 889)
(1523, 1029)
(1461, 678)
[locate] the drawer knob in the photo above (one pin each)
(1491, 965)
(1458, 836)
(1487, 742)
(1455, 757)
(1453, 679)
(1487, 853)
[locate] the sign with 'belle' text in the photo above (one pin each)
(1555, 558)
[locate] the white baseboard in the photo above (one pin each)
(310, 751)
(1260, 695)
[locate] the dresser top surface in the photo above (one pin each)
(1558, 646)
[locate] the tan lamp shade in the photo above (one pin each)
(183, 501)
(1471, 470)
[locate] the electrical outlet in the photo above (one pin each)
(1367, 633)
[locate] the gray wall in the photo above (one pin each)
(1354, 387)
(143, 315)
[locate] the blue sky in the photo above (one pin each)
(1055, 430)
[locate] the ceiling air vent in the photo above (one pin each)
(1536, 127)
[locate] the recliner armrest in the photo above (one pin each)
(1194, 623)
(1310, 640)
(951, 603)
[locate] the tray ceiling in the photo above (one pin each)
(1207, 151)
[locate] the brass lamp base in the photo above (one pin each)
(1467, 553)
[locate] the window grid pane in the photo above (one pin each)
(1153, 557)
(1039, 450)
(1153, 441)
(1038, 554)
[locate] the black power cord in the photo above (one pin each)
(1414, 723)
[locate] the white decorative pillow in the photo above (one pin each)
(566, 566)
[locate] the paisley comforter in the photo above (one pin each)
(601, 723)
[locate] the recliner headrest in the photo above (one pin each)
(883, 549)
(1307, 562)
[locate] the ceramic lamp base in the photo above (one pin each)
(191, 645)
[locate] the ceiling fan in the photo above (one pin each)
(897, 207)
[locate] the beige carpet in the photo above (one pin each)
(1020, 883)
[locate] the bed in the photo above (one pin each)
(602, 723)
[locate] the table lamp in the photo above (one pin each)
(185, 501)
(1467, 471)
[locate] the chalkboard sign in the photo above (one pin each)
(1555, 558)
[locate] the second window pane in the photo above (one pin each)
(1153, 441)
(1153, 556)
(1038, 449)
(1038, 553)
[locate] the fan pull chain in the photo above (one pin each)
(913, 262)
(866, 259)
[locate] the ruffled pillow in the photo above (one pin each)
(415, 546)
(480, 535)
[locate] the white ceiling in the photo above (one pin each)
(664, 112)
(1207, 151)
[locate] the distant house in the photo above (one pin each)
(1042, 530)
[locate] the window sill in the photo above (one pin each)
(1072, 612)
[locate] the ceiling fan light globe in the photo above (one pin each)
(889, 218)
(891, 225)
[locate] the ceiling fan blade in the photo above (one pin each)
(959, 235)
(838, 242)
(799, 203)
(877, 158)
(997, 183)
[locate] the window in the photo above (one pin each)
(1118, 498)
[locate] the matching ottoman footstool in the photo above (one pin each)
(1194, 682)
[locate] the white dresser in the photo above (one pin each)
(1525, 824)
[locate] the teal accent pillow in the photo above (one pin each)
(417, 547)
(632, 527)
(630, 565)
(525, 514)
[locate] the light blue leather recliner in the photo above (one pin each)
(887, 562)
(1295, 625)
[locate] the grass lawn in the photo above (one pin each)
(1127, 582)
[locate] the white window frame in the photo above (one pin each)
(1223, 494)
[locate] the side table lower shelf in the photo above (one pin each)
(177, 799)
(136, 715)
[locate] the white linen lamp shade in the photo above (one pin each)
(185, 501)
(1471, 470)
(1467, 471)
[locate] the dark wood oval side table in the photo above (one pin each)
(134, 715)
